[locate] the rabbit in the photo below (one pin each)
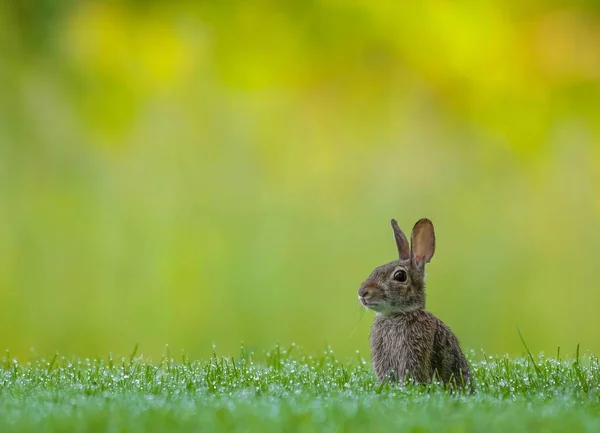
(408, 342)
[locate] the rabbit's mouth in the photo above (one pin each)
(371, 304)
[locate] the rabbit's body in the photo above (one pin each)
(417, 343)
(407, 340)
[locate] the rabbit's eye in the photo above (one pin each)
(400, 276)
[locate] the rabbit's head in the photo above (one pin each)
(398, 286)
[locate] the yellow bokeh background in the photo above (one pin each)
(199, 173)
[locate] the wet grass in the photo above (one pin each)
(283, 391)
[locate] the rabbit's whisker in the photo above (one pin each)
(359, 314)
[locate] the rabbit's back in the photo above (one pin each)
(448, 359)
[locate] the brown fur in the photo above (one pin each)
(408, 342)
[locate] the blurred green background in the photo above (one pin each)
(190, 173)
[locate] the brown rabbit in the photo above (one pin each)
(408, 342)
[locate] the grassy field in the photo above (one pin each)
(286, 390)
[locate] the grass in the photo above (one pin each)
(285, 390)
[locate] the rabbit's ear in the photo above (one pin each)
(422, 242)
(401, 242)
